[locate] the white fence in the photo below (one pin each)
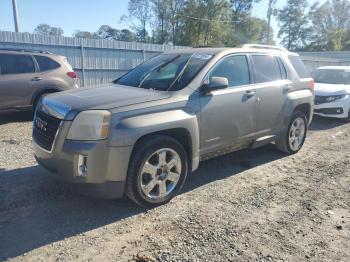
(95, 61)
(313, 60)
(100, 61)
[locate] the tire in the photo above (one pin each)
(157, 171)
(285, 144)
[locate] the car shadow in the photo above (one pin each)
(325, 123)
(11, 117)
(36, 210)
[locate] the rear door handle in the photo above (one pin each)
(36, 78)
(250, 94)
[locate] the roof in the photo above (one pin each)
(216, 50)
(335, 67)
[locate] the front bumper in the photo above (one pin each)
(337, 109)
(106, 166)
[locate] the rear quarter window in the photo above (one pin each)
(299, 66)
(46, 64)
(266, 68)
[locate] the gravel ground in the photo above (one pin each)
(253, 205)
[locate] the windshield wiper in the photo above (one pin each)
(181, 73)
(158, 68)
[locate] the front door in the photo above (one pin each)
(17, 76)
(227, 117)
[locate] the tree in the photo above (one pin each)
(161, 12)
(45, 29)
(293, 24)
(83, 34)
(176, 18)
(141, 11)
(241, 8)
(126, 35)
(330, 25)
(107, 32)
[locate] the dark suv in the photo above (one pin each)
(25, 76)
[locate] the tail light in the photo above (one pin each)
(312, 85)
(72, 74)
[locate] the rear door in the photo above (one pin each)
(227, 115)
(272, 86)
(17, 76)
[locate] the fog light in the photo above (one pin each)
(82, 165)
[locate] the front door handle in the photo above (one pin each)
(250, 94)
(36, 78)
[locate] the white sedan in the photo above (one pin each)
(332, 91)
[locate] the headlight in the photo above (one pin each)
(334, 98)
(90, 125)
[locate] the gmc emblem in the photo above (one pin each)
(41, 124)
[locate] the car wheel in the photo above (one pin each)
(157, 171)
(294, 137)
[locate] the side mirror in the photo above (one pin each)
(215, 83)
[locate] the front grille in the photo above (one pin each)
(320, 100)
(45, 128)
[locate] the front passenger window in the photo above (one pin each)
(16, 64)
(234, 68)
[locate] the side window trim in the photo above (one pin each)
(37, 68)
(227, 56)
(282, 69)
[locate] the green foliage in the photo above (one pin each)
(45, 29)
(293, 24)
(228, 23)
(330, 25)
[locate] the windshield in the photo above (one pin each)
(332, 76)
(165, 71)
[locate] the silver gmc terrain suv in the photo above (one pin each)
(144, 133)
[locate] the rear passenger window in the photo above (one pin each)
(16, 64)
(299, 66)
(46, 63)
(267, 68)
(234, 68)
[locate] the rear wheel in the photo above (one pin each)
(157, 171)
(294, 137)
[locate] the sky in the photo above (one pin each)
(83, 15)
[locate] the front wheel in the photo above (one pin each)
(294, 137)
(157, 171)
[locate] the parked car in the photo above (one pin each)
(332, 91)
(144, 133)
(25, 76)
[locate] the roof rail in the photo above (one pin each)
(265, 47)
(25, 50)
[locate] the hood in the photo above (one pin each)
(331, 89)
(101, 97)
